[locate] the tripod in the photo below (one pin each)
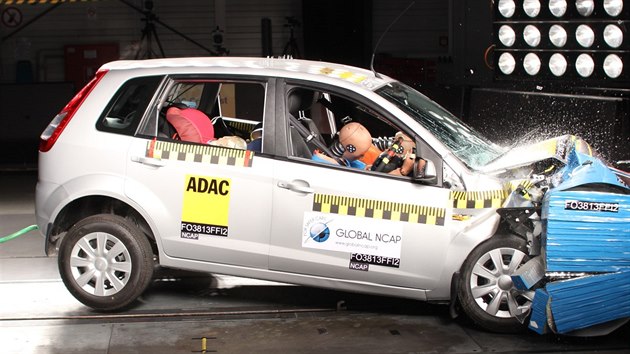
(148, 35)
(291, 48)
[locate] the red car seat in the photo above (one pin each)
(191, 124)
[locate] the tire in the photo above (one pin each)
(106, 262)
(485, 290)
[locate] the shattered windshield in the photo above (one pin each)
(466, 143)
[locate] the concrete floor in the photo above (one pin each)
(197, 313)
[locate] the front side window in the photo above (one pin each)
(330, 128)
(466, 143)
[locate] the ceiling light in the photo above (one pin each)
(507, 63)
(558, 64)
(584, 65)
(613, 66)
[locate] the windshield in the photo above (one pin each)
(466, 143)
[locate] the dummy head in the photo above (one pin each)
(355, 140)
(406, 143)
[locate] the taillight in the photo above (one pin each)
(56, 126)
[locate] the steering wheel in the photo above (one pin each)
(389, 159)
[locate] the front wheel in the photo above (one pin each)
(486, 292)
(106, 262)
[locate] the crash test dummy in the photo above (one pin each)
(355, 140)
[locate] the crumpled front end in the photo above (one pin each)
(577, 223)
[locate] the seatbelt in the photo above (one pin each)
(309, 137)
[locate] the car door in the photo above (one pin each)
(208, 203)
(342, 223)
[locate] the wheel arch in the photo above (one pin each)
(459, 248)
(61, 205)
(85, 206)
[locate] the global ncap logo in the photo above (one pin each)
(319, 232)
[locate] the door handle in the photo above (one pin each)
(296, 186)
(150, 161)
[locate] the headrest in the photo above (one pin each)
(300, 100)
(191, 124)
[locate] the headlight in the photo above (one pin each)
(584, 65)
(558, 35)
(585, 7)
(557, 64)
(507, 35)
(613, 36)
(507, 63)
(531, 64)
(558, 7)
(531, 35)
(613, 66)
(585, 36)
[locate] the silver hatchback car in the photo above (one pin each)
(240, 166)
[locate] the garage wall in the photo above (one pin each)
(421, 32)
(243, 21)
(109, 21)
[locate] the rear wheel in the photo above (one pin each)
(486, 291)
(106, 262)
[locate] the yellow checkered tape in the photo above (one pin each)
(478, 199)
(378, 209)
(199, 153)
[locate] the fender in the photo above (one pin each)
(112, 186)
(482, 228)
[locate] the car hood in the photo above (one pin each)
(554, 151)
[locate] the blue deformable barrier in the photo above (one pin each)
(588, 301)
(586, 230)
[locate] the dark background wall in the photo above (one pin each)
(442, 48)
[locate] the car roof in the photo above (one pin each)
(271, 67)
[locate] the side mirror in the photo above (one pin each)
(424, 171)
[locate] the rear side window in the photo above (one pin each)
(232, 108)
(124, 112)
(229, 99)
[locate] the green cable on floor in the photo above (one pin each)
(18, 233)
